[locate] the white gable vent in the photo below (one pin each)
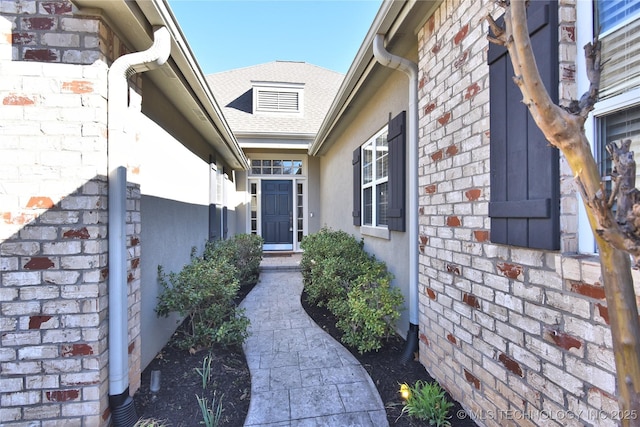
(269, 100)
(277, 97)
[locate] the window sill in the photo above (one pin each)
(379, 232)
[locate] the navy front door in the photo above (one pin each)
(277, 214)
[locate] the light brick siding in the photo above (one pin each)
(48, 31)
(54, 218)
(519, 336)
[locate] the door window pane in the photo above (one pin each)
(300, 210)
(253, 187)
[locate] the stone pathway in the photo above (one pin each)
(300, 376)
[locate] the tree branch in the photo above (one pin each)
(498, 32)
(539, 99)
(592, 53)
(624, 176)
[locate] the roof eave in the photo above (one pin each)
(275, 140)
(181, 80)
(394, 19)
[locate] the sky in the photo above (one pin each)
(227, 34)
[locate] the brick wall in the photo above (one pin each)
(48, 31)
(53, 218)
(519, 336)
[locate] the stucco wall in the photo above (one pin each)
(336, 182)
(241, 203)
(174, 184)
(519, 336)
(314, 216)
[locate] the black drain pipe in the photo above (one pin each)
(411, 345)
(123, 410)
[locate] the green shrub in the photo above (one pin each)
(427, 402)
(326, 283)
(204, 292)
(369, 310)
(244, 251)
(330, 262)
(339, 274)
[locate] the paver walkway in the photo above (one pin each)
(300, 376)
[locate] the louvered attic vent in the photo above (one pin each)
(269, 100)
(286, 98)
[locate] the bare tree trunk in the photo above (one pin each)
(623, 317)
(564, 129)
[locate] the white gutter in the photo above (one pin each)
(117, 110)
(201, 86)
(410, 68)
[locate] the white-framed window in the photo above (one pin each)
(617, 126)
(619, 24)
(616, 115)
(276, 167)
(375, 180)
(254, 205)
(613, 13)
(300, 207)
(276, 97)
(217, 184)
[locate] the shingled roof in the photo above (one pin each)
(233, 90)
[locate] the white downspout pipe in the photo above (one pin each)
(121, 404)
(410, 68)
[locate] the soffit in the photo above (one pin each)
(180, 80)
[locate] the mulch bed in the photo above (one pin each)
(176, 404)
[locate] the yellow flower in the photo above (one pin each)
(405, 391)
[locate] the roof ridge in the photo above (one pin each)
(234, 70)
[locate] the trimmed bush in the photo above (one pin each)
(204, 292)
(339, 274)
(244, 251)
(330, 262)
(368, 312)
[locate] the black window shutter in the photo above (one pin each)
(356, 187)
(225, 222)
(525, 184)
(396, 139)
(213, 231)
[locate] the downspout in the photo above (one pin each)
(410, 68)
(120, 403)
